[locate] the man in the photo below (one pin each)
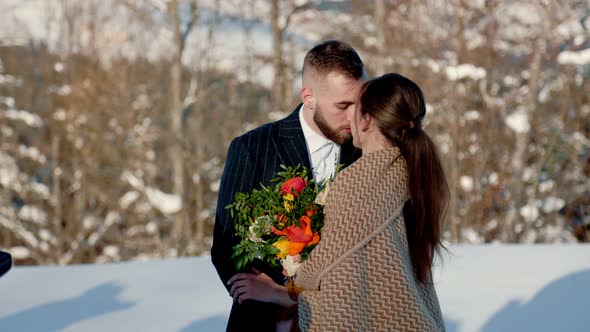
(5, 262)
(316, 135)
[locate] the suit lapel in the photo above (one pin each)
(290, 142)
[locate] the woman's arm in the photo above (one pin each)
(310, 310)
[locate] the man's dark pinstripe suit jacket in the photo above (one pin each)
(252, 159)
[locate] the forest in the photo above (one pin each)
(116, 115)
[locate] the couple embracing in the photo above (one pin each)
(372, 269)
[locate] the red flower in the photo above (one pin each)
(294, 186)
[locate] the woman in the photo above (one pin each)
(372, 270)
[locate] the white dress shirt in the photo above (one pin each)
(323, 153)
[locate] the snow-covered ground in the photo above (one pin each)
(481, 288)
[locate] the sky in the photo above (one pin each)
(480, 288)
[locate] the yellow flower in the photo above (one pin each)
(288, 206)
(289, 197)
(284, 245)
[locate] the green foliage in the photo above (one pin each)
(260, 211)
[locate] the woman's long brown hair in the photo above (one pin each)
(397, 105)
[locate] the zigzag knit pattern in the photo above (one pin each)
(360, 277)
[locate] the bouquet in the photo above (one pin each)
(279, 224)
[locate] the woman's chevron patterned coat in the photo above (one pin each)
(359, 277)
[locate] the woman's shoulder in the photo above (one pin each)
(373, 162)
(385, 167)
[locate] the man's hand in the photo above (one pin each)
(254, 286)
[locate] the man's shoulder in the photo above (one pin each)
(254, 137)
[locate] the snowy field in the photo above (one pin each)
(481, 288)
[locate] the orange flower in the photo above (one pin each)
(310, 212)
(294, 186)
(299, 236)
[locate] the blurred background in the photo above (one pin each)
(116, 115)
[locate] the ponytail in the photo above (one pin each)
(429, 194)
(397, 105)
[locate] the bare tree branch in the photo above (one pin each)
(194, 17)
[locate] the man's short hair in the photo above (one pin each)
(334, 56)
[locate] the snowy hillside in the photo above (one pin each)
(481, 288)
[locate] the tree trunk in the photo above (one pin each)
(454, 177)
(199, 204)
(176, 153)
(56, 192)
(278, 90)
(380, 19)
(518, 197)
(462, 42)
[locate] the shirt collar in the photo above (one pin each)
(314, 140)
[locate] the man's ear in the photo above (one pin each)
(307, 97)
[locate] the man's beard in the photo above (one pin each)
(331, 134)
